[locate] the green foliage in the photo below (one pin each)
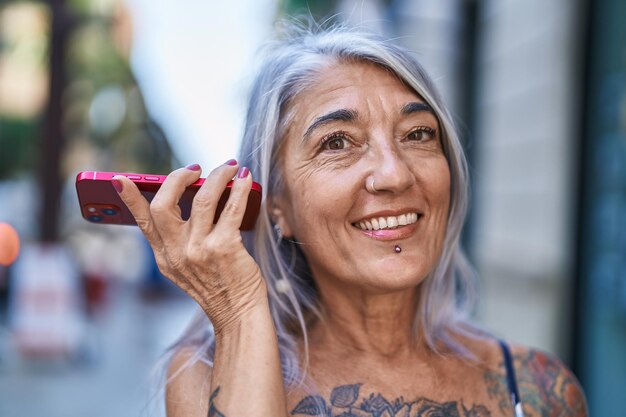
(318, 9)
(18, 143)
(92, 55)
(93, 63)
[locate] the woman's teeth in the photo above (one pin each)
(389, 222)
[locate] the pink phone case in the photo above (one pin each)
(100, 203)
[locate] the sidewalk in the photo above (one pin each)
(114, 378)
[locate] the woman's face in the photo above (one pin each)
(364, 171)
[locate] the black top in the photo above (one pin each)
(511, 381)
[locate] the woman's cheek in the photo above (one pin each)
(440, 194)
(436, 180)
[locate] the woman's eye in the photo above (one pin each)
(421, 134)
(334, 143)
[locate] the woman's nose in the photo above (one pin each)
(390, 172)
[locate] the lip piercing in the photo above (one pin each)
(397, 249)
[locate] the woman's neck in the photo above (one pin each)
(372, 324)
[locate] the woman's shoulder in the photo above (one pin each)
(546, 386)
(188, 380)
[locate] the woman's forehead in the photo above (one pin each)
(344, 74)
(345, 85)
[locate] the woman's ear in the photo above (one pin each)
(279, 218)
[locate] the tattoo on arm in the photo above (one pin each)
(213, 411)
(547, 387)
(344, 403)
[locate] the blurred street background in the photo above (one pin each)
(538, 88)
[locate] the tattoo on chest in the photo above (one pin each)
(546, 389)
(344, 402)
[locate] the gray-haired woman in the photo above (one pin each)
(349, 297)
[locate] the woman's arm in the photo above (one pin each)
(547, 387)
(209, 262)
(246, 379)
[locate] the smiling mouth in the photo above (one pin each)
(388, 222)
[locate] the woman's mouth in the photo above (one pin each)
(387, 222)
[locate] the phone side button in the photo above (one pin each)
(133, 177)
(149, 178)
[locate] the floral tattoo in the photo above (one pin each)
(344, 403)
(547, 389)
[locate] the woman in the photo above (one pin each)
(348, 297)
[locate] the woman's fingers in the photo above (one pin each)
(235, 208)
(206, 200)
(138, 206)
(164, 207)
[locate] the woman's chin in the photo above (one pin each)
(391, 276)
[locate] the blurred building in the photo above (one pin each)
(600, 334)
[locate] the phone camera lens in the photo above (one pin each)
(109, 211)
(95, 219)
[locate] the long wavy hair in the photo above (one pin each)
(290, 65)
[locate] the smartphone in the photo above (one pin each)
(100, 203)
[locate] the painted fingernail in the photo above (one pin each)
(117, 184)
(193, 167)
(243, 172)
(231, 162)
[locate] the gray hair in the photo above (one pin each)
(290, 66)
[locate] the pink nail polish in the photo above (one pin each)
(243, 172)
(193, 167)
(231, 162)
(117, 184)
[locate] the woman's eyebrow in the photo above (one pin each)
(343, 115)
(414, 107)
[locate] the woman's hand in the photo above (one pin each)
(208, 261)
